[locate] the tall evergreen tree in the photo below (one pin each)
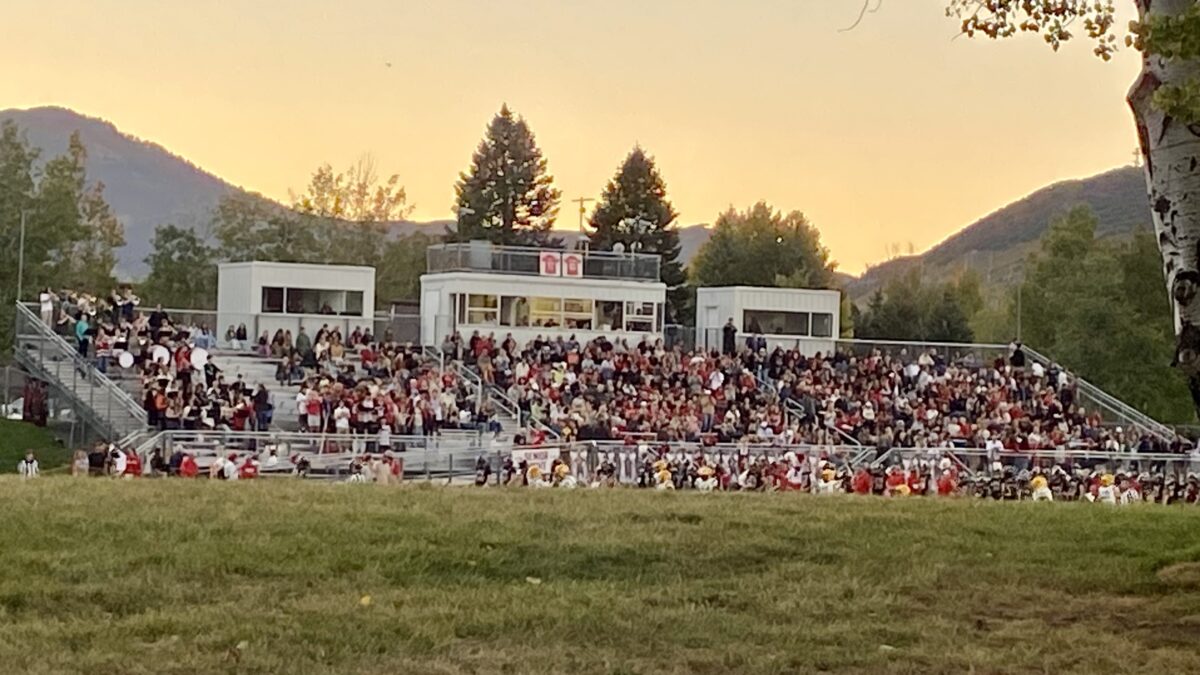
(507, 196)
(634, 210)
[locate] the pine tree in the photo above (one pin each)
(634, 211)
(507, 196)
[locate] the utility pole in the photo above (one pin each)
(582, 201)
(1019, 311)
(21, 257)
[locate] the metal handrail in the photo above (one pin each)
(1110, 402)
(84, 364)
(27, 320)
(854, 455)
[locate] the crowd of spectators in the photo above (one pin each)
(667, 469)
(366, 386)
(611, 390)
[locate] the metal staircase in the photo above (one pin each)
(96, 399)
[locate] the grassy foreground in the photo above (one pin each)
(280, 576)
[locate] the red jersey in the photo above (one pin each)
(188, 468)
(133, 465)
(248, 470)
(947, 483)
(862, 483)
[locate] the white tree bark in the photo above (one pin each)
(1171, 150)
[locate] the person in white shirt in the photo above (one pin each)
(46, 305)
(28, 467)
(341, 418)
(119, 461)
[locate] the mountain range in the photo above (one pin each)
(147, 185)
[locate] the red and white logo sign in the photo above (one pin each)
(550, 264)
(572, 265)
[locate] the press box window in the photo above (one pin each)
(272, 300)
(822, 325)
(773, 322)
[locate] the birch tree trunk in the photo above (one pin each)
(1171, 150)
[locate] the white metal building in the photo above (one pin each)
(477, 286)
(269, 296)
(792, 318)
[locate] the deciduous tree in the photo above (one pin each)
(183, 270)
(763, 247)
(1165, 100)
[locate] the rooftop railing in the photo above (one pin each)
(476, 256)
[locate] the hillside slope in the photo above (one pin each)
(145, 184)
(995, 246)
(148, 185)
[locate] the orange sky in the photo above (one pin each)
(890, 134)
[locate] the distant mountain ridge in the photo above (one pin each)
(996, 245)
(147, 185)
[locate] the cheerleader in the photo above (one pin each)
(828, 484)
(706, 479)
(1106, 492)
(1040, 489)
(563, 477)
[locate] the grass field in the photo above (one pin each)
(280, 576)
(17, 437)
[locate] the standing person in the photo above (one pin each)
(157, 318)
(729, 338)
(46, 305)
(28, 467)
(81, 334)
(303, 343)
(1016, 357)
(79, 464)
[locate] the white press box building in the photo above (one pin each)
(478, 286)
(793, 318)
(268, 296)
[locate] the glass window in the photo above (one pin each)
(640, 308)
(578, 313)
(514, 311)
(545, 312)
(482, 301)
(272, 300)
(610, 315)
(639, 324)
(822, 325)
(639, 316)
(773, 322)
(482, 309)
(303, 301)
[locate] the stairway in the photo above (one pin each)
(95, 398)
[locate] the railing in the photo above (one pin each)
(500, 399)
(483, 256)
(121, 415)
(1114, 406)
(448, 457)
(982, 353)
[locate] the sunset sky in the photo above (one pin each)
(890, 134)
